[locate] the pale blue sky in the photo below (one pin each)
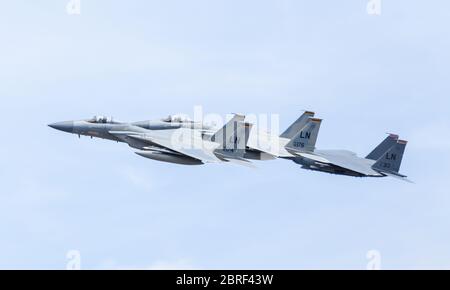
(365, 75)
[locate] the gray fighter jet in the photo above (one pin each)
(170, 140)
(384, 160)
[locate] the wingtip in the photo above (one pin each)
(238, 115)
(408, 180)
(393, 136)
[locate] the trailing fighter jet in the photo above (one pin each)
(384, 160)
(180, 142)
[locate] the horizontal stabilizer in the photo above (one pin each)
(398, 176)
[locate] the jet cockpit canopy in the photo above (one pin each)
(177, 119)
(101, 120)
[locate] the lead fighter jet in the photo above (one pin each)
(174, 141)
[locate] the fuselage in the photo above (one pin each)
(319, 161)
(109, 129)
(105, 128)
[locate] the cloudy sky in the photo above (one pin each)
(365, 75)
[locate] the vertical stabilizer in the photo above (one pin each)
(391, 160)
(295, 127)
(305, 139)
(384, 146)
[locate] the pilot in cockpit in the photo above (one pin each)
(176, 119)
(100, 120)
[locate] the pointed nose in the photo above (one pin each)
(63, 126)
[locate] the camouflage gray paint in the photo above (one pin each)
(230, 144)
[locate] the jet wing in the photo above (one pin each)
(269, 144)
(235, 159)
(344, 159)
(241, 162)
(184, 141)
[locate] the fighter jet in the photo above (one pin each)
(297, 143)
(178, 141)
(384, 160)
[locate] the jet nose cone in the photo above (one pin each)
(63, 126)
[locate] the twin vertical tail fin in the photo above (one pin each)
(233, 138)
(305, 139)
(295, 127)
(223, 135)
(237, 142)
(391, 160)
(384, 146)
